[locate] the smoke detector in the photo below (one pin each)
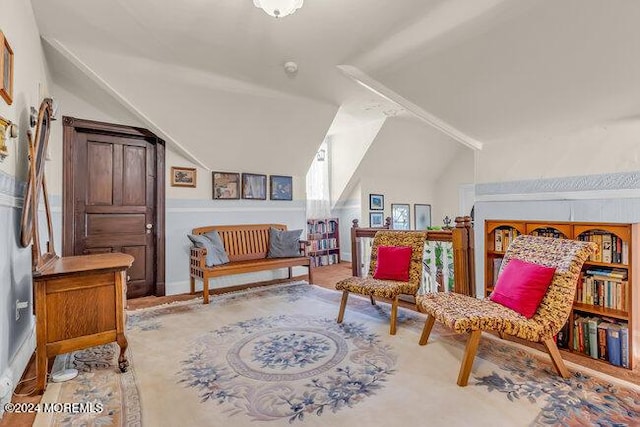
(290, 68)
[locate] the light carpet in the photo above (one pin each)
(275, 356)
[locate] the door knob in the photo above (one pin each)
(149, 227)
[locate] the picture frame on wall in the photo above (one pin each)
(281, 187)
(400, 216)
(376, 219)
(376, 202)
(422, 216)
(226, 185)
(183, 177)
(254, 186)
(6, 70)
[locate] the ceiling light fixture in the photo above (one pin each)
(278, 8)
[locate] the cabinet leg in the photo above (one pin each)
(41, 370)
(123, 363)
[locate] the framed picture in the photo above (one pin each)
(376, 219)
(281, 187)
(400, 216)
(376, 202)
(226, 185)
(422, 216)
(183, 177)
(6, 69)
(254, 186)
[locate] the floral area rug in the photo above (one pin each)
(275, 356)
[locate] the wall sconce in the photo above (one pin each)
(322, 154)
(7, 130)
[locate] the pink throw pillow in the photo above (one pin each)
(393, 263)
(522, 285)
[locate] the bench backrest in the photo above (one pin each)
(243, 242)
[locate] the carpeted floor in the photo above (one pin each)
(275, 356)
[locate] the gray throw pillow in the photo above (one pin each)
(214, 257)
(221, 256)
(284, 244)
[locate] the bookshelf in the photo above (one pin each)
(602, 324)
(324, 237)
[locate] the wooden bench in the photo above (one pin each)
(247, 247)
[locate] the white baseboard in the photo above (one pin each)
(18, 364)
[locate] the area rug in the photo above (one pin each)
(275, 356)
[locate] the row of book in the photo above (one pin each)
(548, 232)
(503, 237)
(328, 259)
(322, 227)
(322, 244)
(611, 248)
(599, 338)
(602, 290)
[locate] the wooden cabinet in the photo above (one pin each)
(79, 303)
(607, 292)
(324, 238)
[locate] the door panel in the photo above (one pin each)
(100, 174)
(139, 269)
(98, 224)
(135, 161)
(114, 206)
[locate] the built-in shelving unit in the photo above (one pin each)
(324, 238)
(602, 324)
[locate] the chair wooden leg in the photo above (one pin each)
(556, 358)
(343, 305)
(394, 316)
(467, 359)
(426, 331)
(310, 275)
(373, 302)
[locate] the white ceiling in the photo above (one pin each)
(490, 68)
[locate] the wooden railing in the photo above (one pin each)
(460, 236)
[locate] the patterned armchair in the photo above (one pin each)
(387, 289)
(466, 314)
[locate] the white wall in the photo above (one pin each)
(599, 148)
(230, 124)
(403, 164)
(460, 171)
(347, 148)
(31, 81)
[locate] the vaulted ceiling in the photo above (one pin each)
(209, 73)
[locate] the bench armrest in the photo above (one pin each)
(304, 244)
(198, 256)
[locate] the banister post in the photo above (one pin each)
(355, 254)
(461, 239)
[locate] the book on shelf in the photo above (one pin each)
(498, 241)
(606, 248)
(613, 344)
(593, 336)
(497, 263)
(602, 341)
(624, 345)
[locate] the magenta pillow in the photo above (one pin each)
(522, 285)
(393, 263)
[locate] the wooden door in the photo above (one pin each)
(114, 202)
